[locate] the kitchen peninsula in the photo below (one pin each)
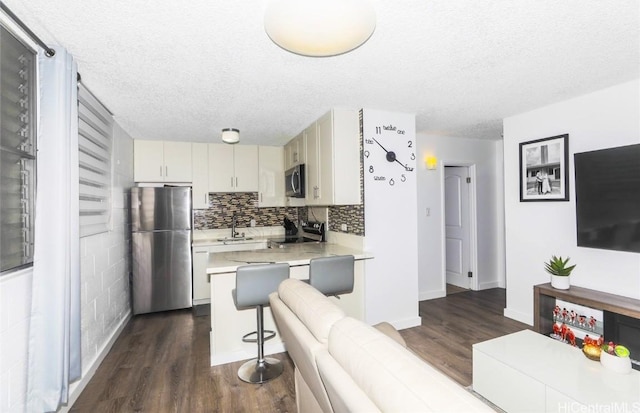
(228, 324)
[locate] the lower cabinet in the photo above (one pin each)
(200, 259)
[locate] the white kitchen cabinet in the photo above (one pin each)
(312, 167)
(161, 161)
(233, 168)
(200, 175)
(295, 151)
(271, 176)
(333, 159)
(201, 289)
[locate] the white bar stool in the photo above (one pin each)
(254, 283)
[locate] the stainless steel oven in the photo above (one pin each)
(294, 182)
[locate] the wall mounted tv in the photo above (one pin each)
(608, 198)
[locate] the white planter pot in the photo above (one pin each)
(560, 282)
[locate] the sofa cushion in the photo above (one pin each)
(394, 378)
(311, 307)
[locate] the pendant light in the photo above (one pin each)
(319, 28)
(230, 135)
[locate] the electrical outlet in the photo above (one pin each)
(428, 211)
(343, 227)
(253, 223)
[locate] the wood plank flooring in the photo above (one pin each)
(451, 325)
(160, 362)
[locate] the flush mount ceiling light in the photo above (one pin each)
(319, 28)
(230, 135)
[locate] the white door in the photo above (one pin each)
(457, 225)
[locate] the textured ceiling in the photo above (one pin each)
(183, 70)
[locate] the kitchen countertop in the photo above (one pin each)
(204, 238)
(294, 254)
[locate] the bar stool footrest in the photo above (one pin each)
(268, 335)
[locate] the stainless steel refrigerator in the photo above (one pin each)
(161, 250)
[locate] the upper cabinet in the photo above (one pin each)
(200, 175)
(161, 161)
(333, 159)
(233, 168)
(271, 176)
(295, 151)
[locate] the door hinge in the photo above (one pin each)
(468, 179)
(470, 274)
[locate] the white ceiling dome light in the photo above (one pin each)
(230, 135)
(319, 28)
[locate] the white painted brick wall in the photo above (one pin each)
(105, 261)
(104, 269)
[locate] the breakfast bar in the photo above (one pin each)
(229, 324)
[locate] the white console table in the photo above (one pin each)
(529, 372)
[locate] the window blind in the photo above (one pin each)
(17, 152)
(95, 138)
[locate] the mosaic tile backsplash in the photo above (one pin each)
(244, 205)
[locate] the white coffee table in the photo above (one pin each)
(529, 372)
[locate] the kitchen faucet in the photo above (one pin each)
(234, 222)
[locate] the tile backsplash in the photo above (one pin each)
(244, 205)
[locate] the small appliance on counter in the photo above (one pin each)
(310, 232)
(290, 228)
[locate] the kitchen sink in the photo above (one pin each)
(235, 239)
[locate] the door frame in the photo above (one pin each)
(473, 222)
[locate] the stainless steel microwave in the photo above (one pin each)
(294, 181)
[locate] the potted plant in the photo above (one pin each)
(560, 271)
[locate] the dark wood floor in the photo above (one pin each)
(160, 362)
(451, 325)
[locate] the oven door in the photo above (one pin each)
(294, 182)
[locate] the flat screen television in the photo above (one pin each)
(608, 198)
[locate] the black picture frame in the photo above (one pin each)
(544, 165)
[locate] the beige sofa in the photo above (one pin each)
(345, 365)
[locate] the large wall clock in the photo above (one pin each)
(389, 152)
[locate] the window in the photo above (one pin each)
(17, 152)
(95, 137)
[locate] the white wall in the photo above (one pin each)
(390, 220)
(105, 293)
(537, 230)
(484, 156)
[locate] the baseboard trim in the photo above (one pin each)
(431, 295)
(518, 316)
(76, 388)
(488, 285)
(407, 323)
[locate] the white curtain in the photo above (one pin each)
(54, 334)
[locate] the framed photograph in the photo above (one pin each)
(543, 169)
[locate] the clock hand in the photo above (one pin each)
(391, 155)
(385, 149)
(404, 166)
